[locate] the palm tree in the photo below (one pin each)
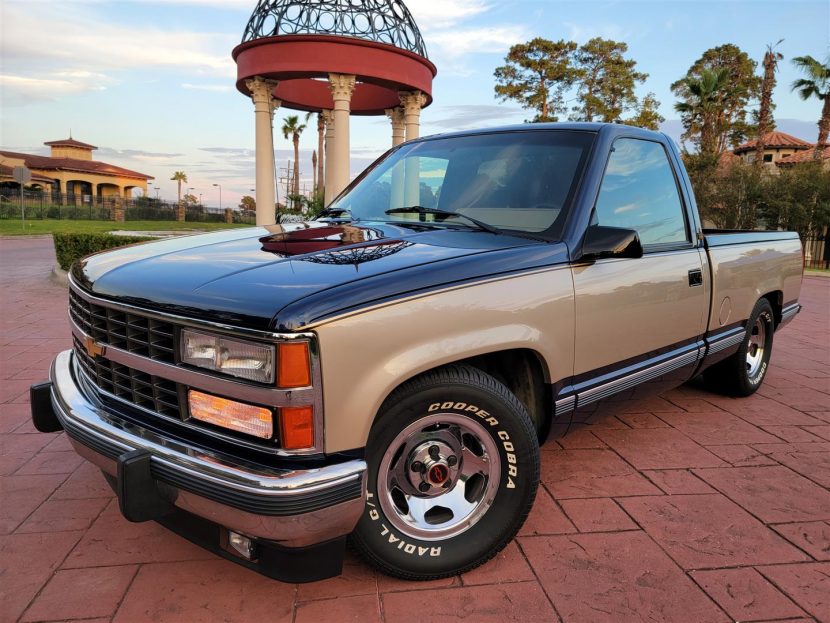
(179, 176)
(765, 122)
(816, 84)
(705, 105)
(292, 128)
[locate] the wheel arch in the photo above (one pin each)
(776, 301)
(524, 371)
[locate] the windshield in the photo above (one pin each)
(512, 182)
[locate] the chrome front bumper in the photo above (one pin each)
(293, 508)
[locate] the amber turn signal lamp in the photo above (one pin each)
(297, 428)
(293, 365)
(236, 416)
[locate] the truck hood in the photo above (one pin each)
(286, 277)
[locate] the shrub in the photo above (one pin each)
(72, 247)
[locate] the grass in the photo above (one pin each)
(13, 227)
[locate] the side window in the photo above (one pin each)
(639, 192)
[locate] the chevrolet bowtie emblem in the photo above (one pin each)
(93, 348)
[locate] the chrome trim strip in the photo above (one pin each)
(727, 342)
(565, 404)
(789, 312)
(617, 385)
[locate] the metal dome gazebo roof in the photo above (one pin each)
(299, 43)
(381, 21)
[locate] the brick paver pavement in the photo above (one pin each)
(689, 507)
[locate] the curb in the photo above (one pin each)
(817, 273)
(59, 277)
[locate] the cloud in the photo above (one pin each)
(92, 49)
(19, 89)
(433, 14)
(455, 43)
(104, 152)
(214, 88)
(472, 116)
(237, 152)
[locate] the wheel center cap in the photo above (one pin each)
(438, 474)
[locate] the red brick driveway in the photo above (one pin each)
(689, 507)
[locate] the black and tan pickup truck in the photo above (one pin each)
(387, 372)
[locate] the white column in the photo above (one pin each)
(396, 116)
(412, 102)
(262, 92)
(342, 87)
(328, 118)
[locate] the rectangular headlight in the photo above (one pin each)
(239, 358)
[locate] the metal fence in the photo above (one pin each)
(40, 206)
(817, 252)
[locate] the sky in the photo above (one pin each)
(152, 82)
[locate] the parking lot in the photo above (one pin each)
(688, 507)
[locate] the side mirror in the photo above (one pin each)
(601, 242)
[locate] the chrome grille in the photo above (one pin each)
(135, 333)
(139, 388)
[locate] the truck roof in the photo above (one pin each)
(609, 128)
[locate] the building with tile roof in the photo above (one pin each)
(71, 172)
(807, 155)
(777, 146)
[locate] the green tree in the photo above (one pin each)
(180, 177)
(537, 74)
(817, 85)
(292, 128)
(725, 113)
(647, 115)
(702, 109)
(190, 201)
(798, 199)
(766, 105)
(247, 204)
(606, 81)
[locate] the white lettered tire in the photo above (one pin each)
(453, 470)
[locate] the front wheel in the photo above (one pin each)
(453, 469)
(743, 373)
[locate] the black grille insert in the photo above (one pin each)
(142, 389)
(135, 333)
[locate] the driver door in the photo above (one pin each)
(639, 319)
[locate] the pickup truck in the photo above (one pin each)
(387, 372)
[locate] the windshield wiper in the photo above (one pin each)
(444, 213)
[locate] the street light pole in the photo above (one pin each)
(220, 195)
(156, 188)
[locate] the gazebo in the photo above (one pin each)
(337, 58)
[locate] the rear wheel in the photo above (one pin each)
(453, 470)
(743, 373)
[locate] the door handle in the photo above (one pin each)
(695, 278)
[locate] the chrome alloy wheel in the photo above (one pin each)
(757, 345)
(439, 476)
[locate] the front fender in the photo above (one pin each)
(366, 355)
